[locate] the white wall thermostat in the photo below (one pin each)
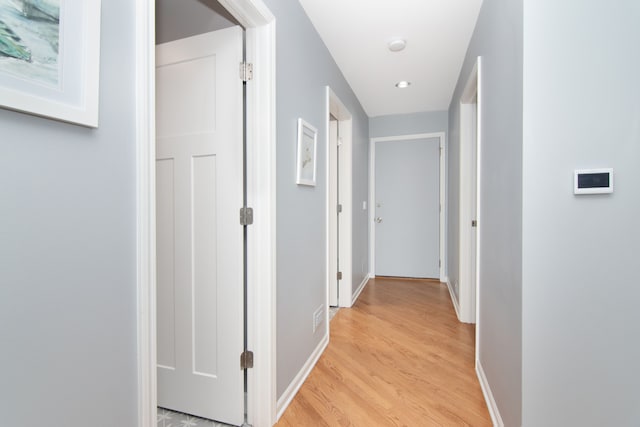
(593, 181)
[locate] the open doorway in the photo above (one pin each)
(199, 242)
(470, 154)
(258, 391)
(339, 203)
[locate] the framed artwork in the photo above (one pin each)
(306, 158)
(50, 58)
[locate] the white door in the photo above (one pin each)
(473, 247)
(407, 208)
(334, 223)
(199, 190)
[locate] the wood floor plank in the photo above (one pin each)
(399, 357)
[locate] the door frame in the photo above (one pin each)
(443, 196)
(336, 108)
(470, 135)
(259, 23)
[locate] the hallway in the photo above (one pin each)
(398, 357)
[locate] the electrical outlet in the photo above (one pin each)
(318, 317)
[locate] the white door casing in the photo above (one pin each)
(199, 168)
(406, 208)
(260, 27)
(333, 229)
(343, 222)
(469, 235)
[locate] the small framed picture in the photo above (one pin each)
(307, 149)
(50, 58)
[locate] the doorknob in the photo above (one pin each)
(378, 220)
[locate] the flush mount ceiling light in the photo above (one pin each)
(403, 84)
(396, 45)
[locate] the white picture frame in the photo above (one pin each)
(306, 156)
(52, 64)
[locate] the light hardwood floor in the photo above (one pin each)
(399, 357)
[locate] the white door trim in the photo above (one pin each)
(443, 196)
(336, 108)
(470, 134)
(145, 212)
(261, 195)
(260, 26)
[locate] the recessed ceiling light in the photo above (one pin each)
(397, 45)
(403, 84)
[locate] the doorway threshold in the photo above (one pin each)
(168, 418)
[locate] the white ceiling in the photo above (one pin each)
(357, 33)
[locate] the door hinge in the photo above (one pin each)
(246, 359)
(246, 216)
(339, 208)
(339, 275)
(439, 263)
(246, 71)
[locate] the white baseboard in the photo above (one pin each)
(360, 289)
(488, 396)
(297, 382)
(454, 299)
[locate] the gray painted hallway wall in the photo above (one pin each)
(68, 254)
(580, 317)
(304, 68)
(559, 306)
(498, 39)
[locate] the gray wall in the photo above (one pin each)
(185, 18)
(408, 124)
(304, 67)
(581, 323)
(67, 254)
(498, 39)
